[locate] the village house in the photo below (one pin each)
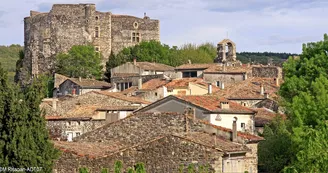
(263, 117)
(79, 86)
(156, 89)
(133, 73)
(70, 116)
(164, 142)
(215, 110)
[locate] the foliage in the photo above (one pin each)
(8, 57)
(264, 57)
(80, 61)
(305, 96)
(118, 166)
(24, 139)
(140, 168)
(114, 61)
(105, 170)
(83, 170)
(191, 168)
(131, 170)
(275, 152)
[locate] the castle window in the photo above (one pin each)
(135, 37)
(97, 18)
(97, 49)
(97, 32)
(135, 25)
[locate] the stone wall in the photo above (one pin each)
(134, 79)
(58, 128)
(163, 155)
(267, 72)
(47, 34)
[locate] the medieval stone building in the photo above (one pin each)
(47, 34)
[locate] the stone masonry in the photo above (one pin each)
(47, 34)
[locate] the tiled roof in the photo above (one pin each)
(194, 66)
(250, 89)
(228, 69)
(129, 90)
(122, 97)
(117, 108)
(124, 74)
(214, 141)
(82, 112)
(59, 79)
(90, 83)
(265, 116)
(154, 84)
(212, 103)
(184, 83)
(154, 66)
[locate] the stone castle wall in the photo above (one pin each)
(66, 25)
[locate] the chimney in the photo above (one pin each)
(80, 79)
(54, 104)
(134, 61)
(224, 105)
(245, 76)
(262, 89)
(209, 88)
(277, 81)
(234, 130)
(222, 85)
(189, 61)
(266, 95)
(140, 83)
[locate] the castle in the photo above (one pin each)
(47, 34)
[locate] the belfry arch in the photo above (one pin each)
(226, 51)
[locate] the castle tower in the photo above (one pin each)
(226, 51)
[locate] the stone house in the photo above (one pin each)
(263, 117)
(156, 89)
(83, 119)
(58, 79)
(215, 110)
(252, 91)
(79, 86)
(192, 70)
(135, 73)
(164, 142)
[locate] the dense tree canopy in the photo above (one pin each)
(8, 57)
(305, 96)
(80, 61)
(24, 140)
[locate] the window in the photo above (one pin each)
(69, 123)
(135, 37)
(97, 32)
(218, 83)
(189, 74)
(130, 84)
(77, 134)
(155, 93)
(79, 123)
(243, 126)
(97, 49)
(126, 85)
(135, 25)
(97, 18)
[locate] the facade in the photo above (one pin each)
(212, 109)
(47, 34)
(135, 73)
(164, 142)
(79, 86)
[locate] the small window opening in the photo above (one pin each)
(135, 37)
(97, 32)
(97, 18)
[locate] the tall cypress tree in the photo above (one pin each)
(24, 139)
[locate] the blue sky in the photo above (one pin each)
(254, 25)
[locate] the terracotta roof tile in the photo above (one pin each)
(90, 83)
(228, 69)
(154, 84)
(212, 103)
(184, 83)
(122, 97)
(194, 66)
(129, 90)
(154, 66)
(59, 79)
(250, 89)
(265, 116)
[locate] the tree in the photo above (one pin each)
(275, 152)
(118, 166)
(80, 61)
(114, 61)
(24, 140)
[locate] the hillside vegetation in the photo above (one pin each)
(8, 57)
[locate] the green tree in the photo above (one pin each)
(114, 61)
(140, 168)
(83, 170)
(24, 140)
(80, 61)
(275, 152)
